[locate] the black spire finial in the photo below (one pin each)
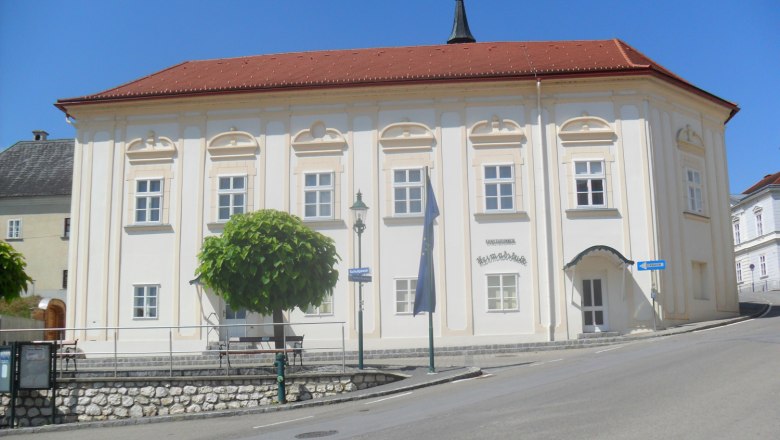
(460, 27)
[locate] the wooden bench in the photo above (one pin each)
(66, 349)
(262, 344)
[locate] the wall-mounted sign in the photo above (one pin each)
(35, 361)
(501, 256)
(6, 368)
(500, 242)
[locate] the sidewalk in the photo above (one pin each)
(415, 368)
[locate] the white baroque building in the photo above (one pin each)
(755, 217)
(557, 166)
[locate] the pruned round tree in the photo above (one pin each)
(13, 278)
(269, 261)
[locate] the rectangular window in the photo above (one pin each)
(407, 192)
(318, 196)
(404, 295)
(759, 224)
(145, 302)
(739, 272)
(502, 292)
(693, 184)
(762, 265)
(326, 308)
(65, 279)
(499, 188)
(14, 228)
(232, 196)
(148, 201)
(66, 228)
(590, 182)
(737, 238)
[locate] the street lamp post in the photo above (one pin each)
(359, 210)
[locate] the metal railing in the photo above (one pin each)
(111, 334)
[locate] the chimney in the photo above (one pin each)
(460, 26)
(39, 135)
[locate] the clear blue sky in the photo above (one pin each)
(61, 49)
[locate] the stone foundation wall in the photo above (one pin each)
(81, 400)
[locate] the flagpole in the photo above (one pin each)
(431, 365)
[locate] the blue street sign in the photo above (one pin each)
(360, 271)
(360, 278)
(651, 265)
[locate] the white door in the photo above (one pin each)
(234, 317)
(594, 314)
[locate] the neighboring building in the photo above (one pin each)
(556, 166)
(35, 186)
(755, 218)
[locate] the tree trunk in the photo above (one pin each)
(278, 316)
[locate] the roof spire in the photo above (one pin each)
(460, 26)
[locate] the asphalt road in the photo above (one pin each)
(721, 383)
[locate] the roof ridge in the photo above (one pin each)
(620, 46)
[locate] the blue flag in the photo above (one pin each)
(425, 294)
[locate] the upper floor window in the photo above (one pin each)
(65, 279)
(66, 228)
(502, 292)
(404, 295)
(762, 265)
(231, 196)
(590, 182)
(694, 188)
(739, 272)
(148, 200)
(14, 228)
(737, 237)
(145, 301)
(499, 188)
(318, 196)
(759, 224)
(407, 191)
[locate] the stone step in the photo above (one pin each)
(597, 335)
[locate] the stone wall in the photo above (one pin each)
(82, 400)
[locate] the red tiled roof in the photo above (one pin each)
(397, 65)
(769, 179)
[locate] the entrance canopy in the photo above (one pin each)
(599, 250)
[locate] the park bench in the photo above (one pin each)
(66, 349)
(261, 345)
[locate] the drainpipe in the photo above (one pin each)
(547, 212)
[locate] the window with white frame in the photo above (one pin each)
(325, 308)
(145, 301)
(762, 265)
(231, 196)
(737, 237)
(407, 191)
(318, 196)
(694, 191)
(499, 188)
(148, 200)
(404, 295)
(14, 228)
(590, 183)
(502, 292)
(759, 224)
(739, 271)
(66, 228)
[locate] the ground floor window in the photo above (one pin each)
(326, 308)
(404, 295)
(502, 292)
(145, 301)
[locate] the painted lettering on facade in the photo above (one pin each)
(501, 256)
(500, 242)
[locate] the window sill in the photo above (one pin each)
(14, 239)
(65, 237)
(144, 319)
(495, 217)
(592, 213)
(149, 228)
(325, 224)
(216, 226)
(504, 311)
(404, 220)
(696, 216)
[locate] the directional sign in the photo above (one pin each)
(360, 271)
(360, 278)
(651, 265)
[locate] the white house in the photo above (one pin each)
(755, 217)
(557, 166)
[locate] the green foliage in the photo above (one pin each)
(22, 306)
(13, 278)
(268, 261)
